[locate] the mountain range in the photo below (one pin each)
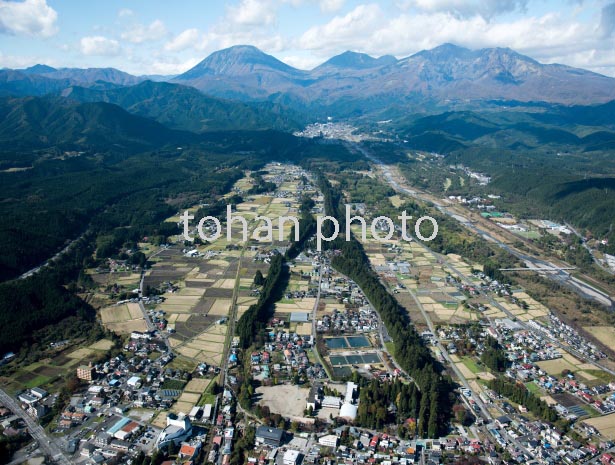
(350, 84)
(445, 73)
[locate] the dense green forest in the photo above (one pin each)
(253, 322)
(494, 356)
(375, 400)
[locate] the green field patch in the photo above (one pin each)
(534, 388)
(472, 365)
(37, 381)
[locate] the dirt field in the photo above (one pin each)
(103, 344)
(197, 385)
(123, 319)
(555, 367)
(605, 334)
(604, 424)
(288, 401)
(115, 314)
(126, 327)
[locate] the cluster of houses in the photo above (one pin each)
(557, 329)
(523, 346)
(350, 320)
(12, 425)
(543, 443)
(223, 431)
(123, 382)
(284, 355)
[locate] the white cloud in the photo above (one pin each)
(468, 8)
(140, 33)
(252, 13)
(166, 66)
(331, 6)
(100, 46)
(16, 62)
(190, 38)
(30, 18)
(301, 62)
(125, 12)
(343, 31)
(367, 30)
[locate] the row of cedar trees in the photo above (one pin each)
(434, 397)
(252, 324)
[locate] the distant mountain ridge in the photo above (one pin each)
(41, 122)
(84, 75)
(183, 107)
(351, 84)
(445, 73)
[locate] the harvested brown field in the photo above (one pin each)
(605, 424)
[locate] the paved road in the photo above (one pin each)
(46, 443)
(148, 321)
(314, 311)
(35, 270)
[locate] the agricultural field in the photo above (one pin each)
(216, 285)
(123, 318)
(409, 269)
(605, 334)
(555, 367)
(605, 424)
(50, 373)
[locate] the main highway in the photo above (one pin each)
(555, 273)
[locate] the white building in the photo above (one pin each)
(194, 413)
(178, 429)
(348, 411)
(134, 382)
(330, 440)
(291, 457)
(207, 411)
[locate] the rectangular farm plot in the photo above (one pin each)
(208, 337)
(103, 344)
(197, 385)
(189, 352)
(220, 307)
(605, 334)
(604, 424)
(115, 314)
(555, 367)
(126, 327)
(191, 291)
(211, 358)
(182, 407)
(208, 346)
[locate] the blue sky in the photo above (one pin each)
(169, 37)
